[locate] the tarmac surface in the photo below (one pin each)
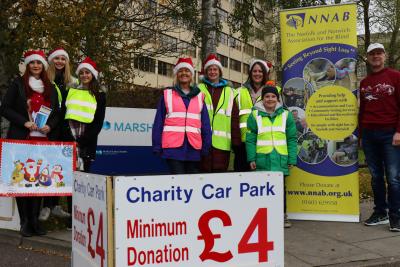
(307, 243)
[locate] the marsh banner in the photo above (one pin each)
(320, 89)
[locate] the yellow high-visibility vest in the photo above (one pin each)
(220, 118)
(245, 104)
(81, 105)
(271, 135)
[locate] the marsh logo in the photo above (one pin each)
(106, 125)
(300, 19)
(295, 20)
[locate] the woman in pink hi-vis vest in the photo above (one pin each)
(181, 130)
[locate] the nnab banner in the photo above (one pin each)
(36, 168)
(319, 88)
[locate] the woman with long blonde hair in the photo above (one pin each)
(59, 74)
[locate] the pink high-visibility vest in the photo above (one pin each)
(180, 121)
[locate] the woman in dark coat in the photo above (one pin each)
(21, 102)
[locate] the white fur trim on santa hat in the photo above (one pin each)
(57, 53)
(89, 67)
(183, 65)
(254, 61)
(33, 57)
(213, 62)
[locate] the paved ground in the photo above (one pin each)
(307, 243)
(310, 243)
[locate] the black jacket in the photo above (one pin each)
(15, 109)
(88, 142)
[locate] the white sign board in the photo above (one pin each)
(89, 220)
(127, 127)
(225, 219)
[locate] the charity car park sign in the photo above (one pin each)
(227, 219)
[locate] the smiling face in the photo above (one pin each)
(35, 68)
(257, 74)
(376, 59)
(59, 62)
(270, 100)
(213, 73)
(184, 75)
(85, 76)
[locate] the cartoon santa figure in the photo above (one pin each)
(31, 172)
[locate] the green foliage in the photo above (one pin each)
(111, 32)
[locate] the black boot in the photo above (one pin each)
(37, 228)
(26, 230)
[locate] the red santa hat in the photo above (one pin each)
(30, 161)
(212, 60)
(264, 63)
(185, 62)
(56, 53)
(32, 55)
(89, 64)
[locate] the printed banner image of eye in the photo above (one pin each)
(345, 152)
(319, 72)
(296, 93)
(345, 73)
(299, 116)
(311, 149)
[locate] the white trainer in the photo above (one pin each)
(59, 212)
(44, 214)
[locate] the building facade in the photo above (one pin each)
(234, 54)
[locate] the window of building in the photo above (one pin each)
(222, 15)
(246, 68)
(223, 59)
(259, 53)
(223, 38)
(248, 49)
(259, 34)
(165, 69)
(144, 64)
(187, 49)
(234, 43)
(143, 33)
(235, 65)
(168, 43)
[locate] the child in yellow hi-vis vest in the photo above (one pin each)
(271, 140)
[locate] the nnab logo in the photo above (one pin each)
(295, 20)
(300, 19)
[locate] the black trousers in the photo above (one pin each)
(50, 202)
(28, 208)
(182, 167)
(240, 163)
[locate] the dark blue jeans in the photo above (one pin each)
(182, 167)
(383, 159)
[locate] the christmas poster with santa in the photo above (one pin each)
(36, 168)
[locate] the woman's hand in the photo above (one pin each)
(31, 126)
(253, 165)
(45, 129)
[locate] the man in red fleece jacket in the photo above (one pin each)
(380, 131)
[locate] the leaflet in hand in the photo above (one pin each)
(40, 119)
(41, 116)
